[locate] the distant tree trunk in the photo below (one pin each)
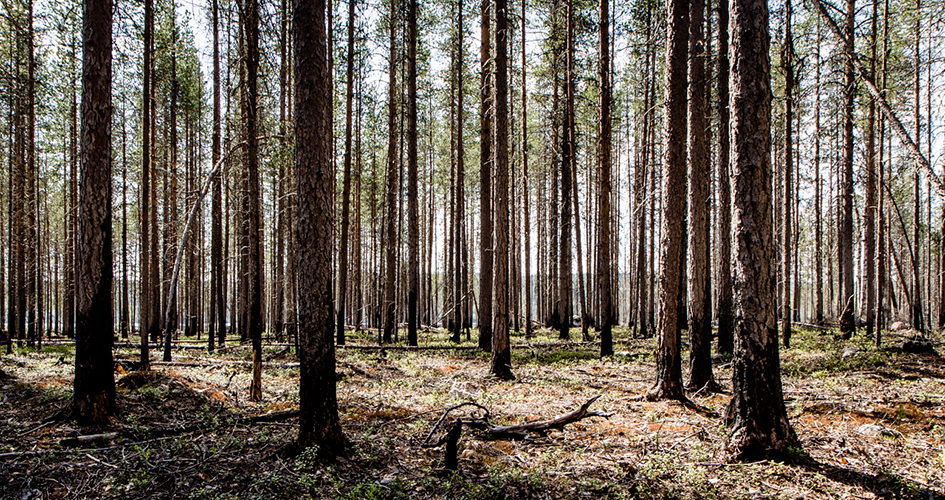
(254, 270)
(700, 297)
(725, 312)
(144, 202)
(486, 255)
(319, 424)
(760, 428)
(787, 64)
(123, 311)
(668, 364)
(346, 188)
(604, 286)
(390, 204)
(848, 297)
(501, 366)
(34, 270)
(413, 210)
(93, 399)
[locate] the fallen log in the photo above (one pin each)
(498, 432)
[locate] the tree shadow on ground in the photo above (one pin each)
(882, 485)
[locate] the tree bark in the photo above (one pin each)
(390, 204)
(346, 183)
(413, 210)
(486, 272)
(699, 294)
(725, 308)
(93, 399)
(501, 352)
(787, 65)
(672, 245)
(604, 286)
(760, 427)
(254, 258)
(319, 423)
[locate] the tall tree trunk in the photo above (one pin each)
(565, 277)
(870, 230)
(699, 294)
(818, 208)
(390, 204)
(604, 254)
(217, 298)
(501, 352)
(760, 428)
(848, 297)
(93, 398)
(413, 210)
(916, 308)
(787, 65)
(486, 272)
(346, 188)
(144, 202)
(254, 257)
(319, 424)
(672, 245)
(527, 228)
(725, 308)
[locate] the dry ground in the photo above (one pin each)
(872, 421)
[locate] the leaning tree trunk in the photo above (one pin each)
(93, 399)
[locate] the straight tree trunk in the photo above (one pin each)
(870, 230)
(390, 236)
(567, 149)
(725, 308)
(413, 210)
(672, 245)
(916, 308)
(604, 286)
(787, 64)
(818, 204)
(217, 297)
(501, 352)
(144, 202)
(848, 297)
(93, 398)
(319, 423)
(699, 294)
(346, 188)
(758, 418)
(254, 252)
(486, 271)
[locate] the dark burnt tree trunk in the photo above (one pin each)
(760, 426)
(346, 183)
(672, 245)
(725, 312)
(251, 202)
(319, 424)
(486, 272)
(787, 64)
(604, 254)
(217, 299)
(699, 293)
(146, 294)
(413, 210)
(847, 296)
(567, 144)
(390, 204)
(501, 352)
(93, 399)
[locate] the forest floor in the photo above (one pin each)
(873, 423)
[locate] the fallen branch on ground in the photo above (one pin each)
(518, 431)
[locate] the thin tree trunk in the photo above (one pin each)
(726, 318)
(390, 237)
(346, 188)
(486, 271)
